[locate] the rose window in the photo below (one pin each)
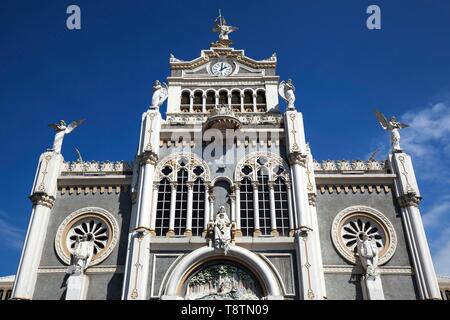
(354, 229)
(95, 230)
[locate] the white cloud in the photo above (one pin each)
(10, 235)
(437, 213)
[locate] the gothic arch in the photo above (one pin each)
(189, 263)
(191, 160)
(273, 163)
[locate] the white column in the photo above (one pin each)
(43, 196)
(154, 209)
(191, 103)
(257, 231)
(290, 209)
(300, 194)
(205, 224)
(254, 102)
(145, 195)
(238, 209)
(173, 201)
(190, 200)
(408, 196)
(204, 102)
(217, 98)
(273, 218)
(229, 100)
(242, 102)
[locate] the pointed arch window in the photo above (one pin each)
(163, 208)
(181, 202)
(247, 209)
(198, 207)
(264, 202)
(281, 207)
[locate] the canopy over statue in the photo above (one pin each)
(393, 126)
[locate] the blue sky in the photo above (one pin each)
(342, 71)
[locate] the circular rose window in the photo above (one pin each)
(98, 225)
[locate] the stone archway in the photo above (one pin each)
(176, 286)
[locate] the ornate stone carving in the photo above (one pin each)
(346, 165)
(312, 199)
(394, 127)
(286, 90)
(297, 158)
(148, 157)
(222, 231)
(190, 162)
(43, 200)
(271, 163)
(110, 167)
(61, 129)
(160, 94)
(409, 199)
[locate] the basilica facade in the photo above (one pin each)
(225, 200)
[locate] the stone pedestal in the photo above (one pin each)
(77, 287)
(372, 288)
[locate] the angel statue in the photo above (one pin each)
(61, 130)
(160, 93)
(286, 90)
(82, 254)
(220, 26)
(368, 254)
(393, 126)
(222, 230)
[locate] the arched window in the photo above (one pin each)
(8, 294)
(185, 101)
(198, 101)
(261, 101)
(447, 294)
(247, 209)
(210, 100)
(181, 202)
(236, 101)
(264, 202)
(198, 207)
(163, 208)
(223, 97)
(1, 294)
(248, 100)
(281, 207)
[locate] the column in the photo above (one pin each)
(229, 100)
(273, 218)
(191, 103)
(43, 197)
(190, 200)
(211, 202)
(204, 102)
(242, 102)
(217, 98)
(238, 209)
(408, 197)
(254, 102)
(173, 201)
(290, 209)
(257, 231)
(206, 219)
(154, 209)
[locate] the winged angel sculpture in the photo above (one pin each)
(61, 130)
(160, 93)
(286, 91)
(393, 126)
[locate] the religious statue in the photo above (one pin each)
(160, 93)
(286, 91)
(368, 255)
(61, 130)
(393, 126)
(82, 255)
(220, 26)
(222, 230)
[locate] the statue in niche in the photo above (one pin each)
(286, 91)
(222, 230)
(61, 129)
(160, 93)
(368, 254)
(82, 255)
(394, 127)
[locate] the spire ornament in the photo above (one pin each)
(221, 27)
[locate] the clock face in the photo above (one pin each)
(222, 69)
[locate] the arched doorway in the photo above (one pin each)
(262, 282)
(222, 280)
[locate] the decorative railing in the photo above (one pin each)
(336, 166)
(244, 117)
(97, 167)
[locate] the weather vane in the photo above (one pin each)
(221, 27)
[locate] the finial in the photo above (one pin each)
(221, 27)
